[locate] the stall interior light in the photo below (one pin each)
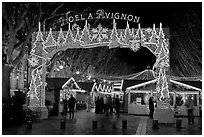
(61, 66)
(89, 77)
(77, 72)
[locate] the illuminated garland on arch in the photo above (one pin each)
(42, 51)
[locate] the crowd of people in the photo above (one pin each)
(68, 104)
(107, 105)
(104, 104)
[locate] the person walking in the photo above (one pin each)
(97, 102)
(190, 107)
(61, 108)
(105, 101)
(151, 107)
(101, 105)
(65, 107)
(110, 104)
(88, 103)
(117, 106)
(72, 102)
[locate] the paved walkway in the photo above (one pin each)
(82, 125)
(170, 129)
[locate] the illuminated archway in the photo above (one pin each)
(45, 47)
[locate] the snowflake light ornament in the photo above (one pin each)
(99, 33)
(34, 61)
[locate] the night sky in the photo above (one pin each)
(169, 13)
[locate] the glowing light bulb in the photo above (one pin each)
(61, 66)
(77, 72)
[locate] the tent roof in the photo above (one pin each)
(129, 83)
(147, 74)
(196, 85)
(53, 83)
(86, 85)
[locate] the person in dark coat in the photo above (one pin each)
(72, 102)
(65, 107)
(151, 107)
(97, 105)
(117, 106)
(101, 105)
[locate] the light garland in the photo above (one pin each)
(42, 51)
(36, 81)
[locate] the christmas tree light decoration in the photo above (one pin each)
(37, 53)
(114, 37)
(85, 37)
(133, 32)
(128, 36)
(50, 43)
(32, 93)
(99, 33)
(69, 40)
(153, 38)
(77, 37)
(162, 42)
(60, 39)
(160, 84)
(121, 39)
(38, 81)
(139, 35)
(165, 88)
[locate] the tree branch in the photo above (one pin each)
(16, 61)
(54, 12)
(5, 16)
(21, 22)
(54, 59)
(18, 44)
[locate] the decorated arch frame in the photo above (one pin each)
(46, 44)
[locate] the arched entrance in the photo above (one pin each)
(44, 47)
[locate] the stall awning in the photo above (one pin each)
(142, 84)
(196, 85)
(135, 83)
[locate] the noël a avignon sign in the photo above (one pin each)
(99, 14)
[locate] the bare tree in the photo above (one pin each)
(19, 21)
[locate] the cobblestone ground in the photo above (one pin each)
(80, 125)
(170, 129)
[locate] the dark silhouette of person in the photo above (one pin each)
(151, 107)
(71, 102)
(117, 106)
(190, 107)
(101, 105)
(97, 105)
(65, 103)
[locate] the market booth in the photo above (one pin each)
(137, 90)
(138, 95)
(53, 88)
(182, 89)
(79, 90)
